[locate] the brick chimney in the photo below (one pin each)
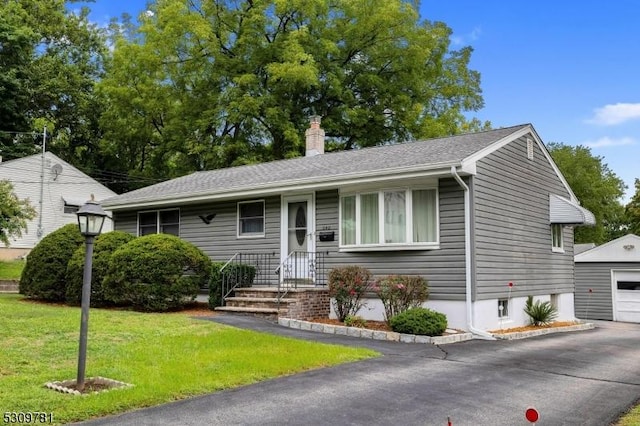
(315, 137)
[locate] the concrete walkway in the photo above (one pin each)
(582, 378)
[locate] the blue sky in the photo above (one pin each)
(569, 68)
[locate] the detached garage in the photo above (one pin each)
(608, 281)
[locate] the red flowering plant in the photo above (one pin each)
(347, 286)
(401, 292)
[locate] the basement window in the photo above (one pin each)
(503, 308)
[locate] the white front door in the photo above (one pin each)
(298, 242)
(626, 290)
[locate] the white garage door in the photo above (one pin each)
(626, 285)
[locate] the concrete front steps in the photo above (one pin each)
(262, 302)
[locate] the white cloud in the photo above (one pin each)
(613, 114)
(607, 142)
(459, 40)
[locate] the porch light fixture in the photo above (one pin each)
(90, 220)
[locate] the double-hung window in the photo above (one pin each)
(557, 243)
(251, 219)
(159, 222)
(389, 218)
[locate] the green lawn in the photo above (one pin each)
(632, 418)
(11, 270)
(165, 356)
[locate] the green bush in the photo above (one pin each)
(44, 274)
(401, 292)
(215, 285)
(347, 286)
(421, 321)
(156, 273)
(105, 245)
(239, 273)
(355, 321)
(540, 313)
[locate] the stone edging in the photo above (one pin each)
(64, 385)
(372, 334)
(543, 331)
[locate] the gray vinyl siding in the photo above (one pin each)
(596, 276)
(444, 268)
(219, 238)
(512, 238)
(126, 221)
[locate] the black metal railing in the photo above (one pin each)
(301, 268)
(247, 270)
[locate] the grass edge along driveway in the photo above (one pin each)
(165, 356)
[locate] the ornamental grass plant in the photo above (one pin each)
(540, 313)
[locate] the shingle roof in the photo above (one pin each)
(431, 153)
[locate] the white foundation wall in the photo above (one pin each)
(454, 310)
(485, 311)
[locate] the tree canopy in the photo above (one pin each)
(50, 60)
(632, 210)
(14, 213)
(206, 84)
(598, 188)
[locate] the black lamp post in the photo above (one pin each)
(90, 221)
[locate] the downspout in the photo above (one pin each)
(467, 255)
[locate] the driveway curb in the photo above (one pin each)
(373, 334)
(543, 331)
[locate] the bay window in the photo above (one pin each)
(388, 218)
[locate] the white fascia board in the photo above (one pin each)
(291, 186)
(623, 249)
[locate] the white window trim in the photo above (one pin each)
(560, 248)
(264, 220)
(157, 212)
(506, 303)
(359, 247)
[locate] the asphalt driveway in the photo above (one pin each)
(580, 378)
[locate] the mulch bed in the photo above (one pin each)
(531, 327)
(370, 325)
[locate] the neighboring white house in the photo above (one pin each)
(56, 195)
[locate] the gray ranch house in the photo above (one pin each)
(470, 213)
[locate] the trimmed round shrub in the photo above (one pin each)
(44, 274)
(421, 321)
(157, 272)
(105, 245)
